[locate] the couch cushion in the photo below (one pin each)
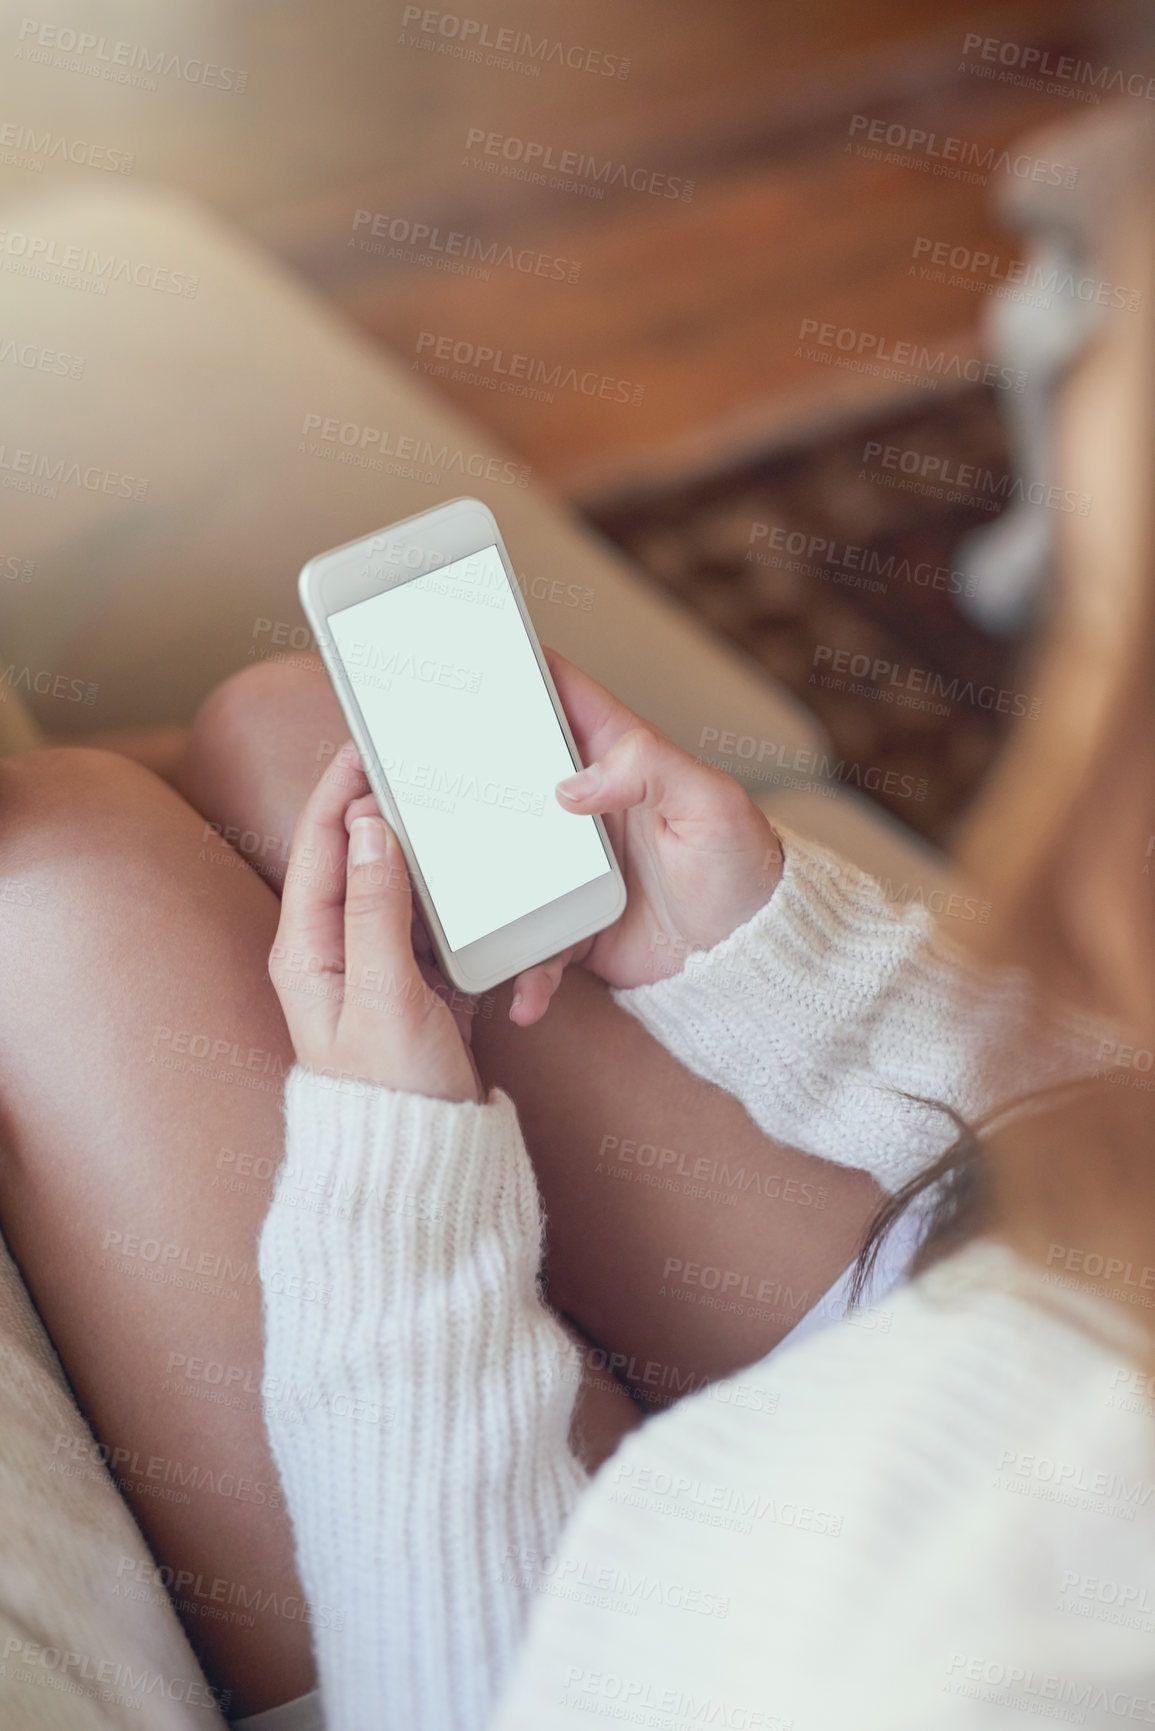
(83, 1643)
(223, 427)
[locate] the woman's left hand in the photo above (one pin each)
(358, 1002)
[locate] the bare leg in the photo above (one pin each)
(142, 1054)
(141, 1058)
(681, 1239)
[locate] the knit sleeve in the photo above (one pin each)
(833, 1015)
(417, 1394)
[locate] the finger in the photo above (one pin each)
(419, 933)
(595, 716)
(422, 942)
(365, 806)
(461, 1006)
(644, 768)
(419, 936)
(310, 935)
(381, 971)
(394, 1028)
(533, 989)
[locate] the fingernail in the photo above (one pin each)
(368, 841)
(348, 754)
(581, 785)
(513, 1003)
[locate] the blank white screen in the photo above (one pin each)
(457, 710)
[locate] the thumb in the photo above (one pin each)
(641, 768)
(378, 912)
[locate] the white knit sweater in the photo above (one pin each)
(920, 1519)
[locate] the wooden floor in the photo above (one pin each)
(688, 339)
(706, 313)
(690, 308)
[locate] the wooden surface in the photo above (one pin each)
(347, 106)
(700, 306)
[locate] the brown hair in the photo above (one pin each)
(1063, 839)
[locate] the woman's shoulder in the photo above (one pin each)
(977, 1450)
(931, 1495)
(980, 1349)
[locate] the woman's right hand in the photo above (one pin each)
(698, 856)
(358, 1002)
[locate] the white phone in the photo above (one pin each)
(439, 672)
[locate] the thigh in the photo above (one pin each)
(680, 1238)
(142, 1056)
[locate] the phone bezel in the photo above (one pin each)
(372, 565)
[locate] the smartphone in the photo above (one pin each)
(436, 665)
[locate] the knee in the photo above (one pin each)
(265, 688)
(38, 789)
(262, 709)
(61, 808)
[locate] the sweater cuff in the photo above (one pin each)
(355, 1149)
(822, 1014)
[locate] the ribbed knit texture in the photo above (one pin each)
(919, 1522)
(855, 1533)
(417, 1394)
(828, 1009)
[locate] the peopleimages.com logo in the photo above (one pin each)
(481, 363)
(1026, 64)
(881, 356)
(943, 476)
(24, 147)
(73, 266)
(529, 160)
(1046, 280)
(507, 49)
(913, 687)
(945, 154)
(117, 61)
(861, 567)
(387, 451)
(453, 250)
